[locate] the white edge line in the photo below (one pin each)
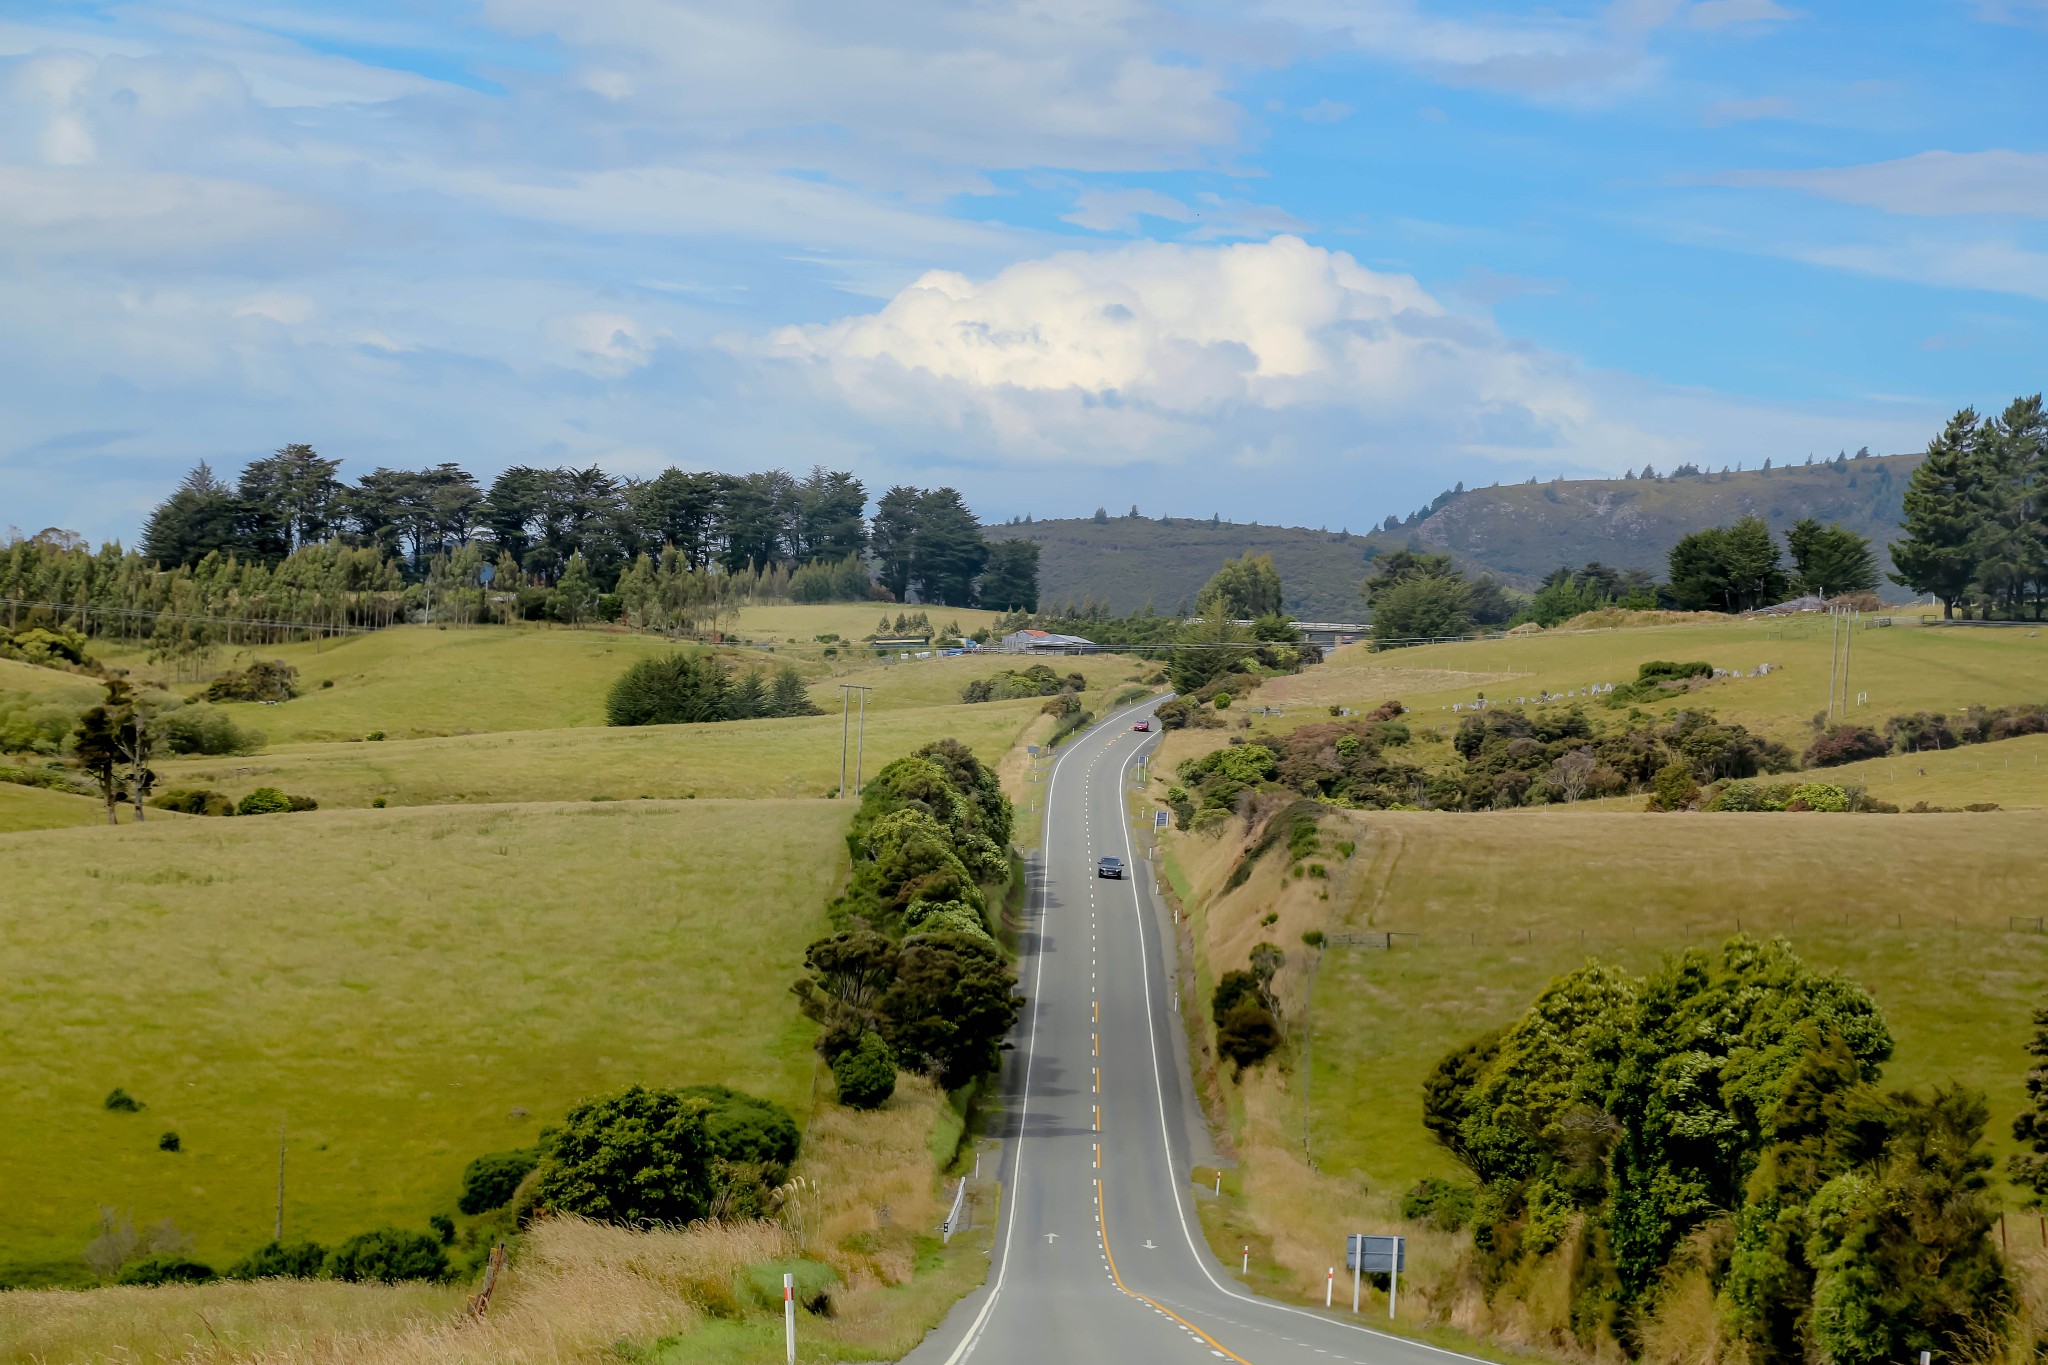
(1166, 1142)
(1016, 1186)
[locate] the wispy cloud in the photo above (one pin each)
(1721, 113)
(1930, 184)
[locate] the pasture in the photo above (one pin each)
(398, 990)
(796, 757)
(1904, 668)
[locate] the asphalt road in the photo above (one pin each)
(1098, 1255)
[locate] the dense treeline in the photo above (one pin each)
(1722, 1119)
(914, 978)
(1976, 515)
(289, 543)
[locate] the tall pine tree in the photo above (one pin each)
(1941, 512)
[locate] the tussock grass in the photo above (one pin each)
(402, 989)
(23, 808)
(48, 684)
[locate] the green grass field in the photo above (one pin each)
(401, 989)
(47, 684)
(748, 758)
(802, 623)
(39, 808)
(1905, 668)
(1913, 907)
(937, 682)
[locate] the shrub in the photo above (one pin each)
(264, 680)
(636, 1157)
(387, 1255)
(1675, 788)
(379, 802)
(1846, 744)
(165, 1268)
(866, 1073)
(673, 689)
(1663, 670)
(1823, 796)
(489, 1180)
(444, 1228)
(1919, 731)
(206, 730)
(1221, 701)
(281, 1261)
(746, 1129)
(264, 801)
(121, 1102)
(194, 801)
(1443, 1204)
(301, 803)
(170, 1142)
(1247, 1034)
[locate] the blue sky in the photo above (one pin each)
(1305, 261)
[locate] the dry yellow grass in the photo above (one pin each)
(578, 1291)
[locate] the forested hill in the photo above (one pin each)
(1129, 562)
(1519, 532)
(1523, 531)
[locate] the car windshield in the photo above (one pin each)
(1112, 862)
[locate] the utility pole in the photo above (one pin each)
(278, 1235)
(1834, 657)
(845, 707)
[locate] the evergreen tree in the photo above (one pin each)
(894, 539)
(202, 517)
(1940, 512)
(2010, 541)
(2030, 1168)
(295, 495)
(1245, 588)
(1009, 582)
(949, 550)
(1830, 560)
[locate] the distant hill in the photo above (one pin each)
(1131, 562)
(1523, 531)
(1518, 532)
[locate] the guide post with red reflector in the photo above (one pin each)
(789, 1315)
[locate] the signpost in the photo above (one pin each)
(1159, 819)
(1366, 1254)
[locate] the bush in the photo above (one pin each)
(1846, 744)
(387, 1255)
(264, 680)
(1822, 796)
(489, 1180)
(1221, 701)
(1247, 1034)
(271, 801)
(281, 1261)
(746, 1129)
(121, 1102)
(866, 1073)
(1675, 787)
(638, 1157)
(170, 1142)
(194, 801)
(674, 689)
(1919, 731)
(1441, 1203)
(1663, 670)
(206, 730)
(165, 1268)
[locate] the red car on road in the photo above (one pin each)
(1143, 726)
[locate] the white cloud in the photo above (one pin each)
(1118, 210)
(609, 344)
(76, 212)
(1712, 14)
(1259, 351)
(1927, 185)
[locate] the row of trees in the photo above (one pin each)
(539, 523)
(1976, 514)
(1740, 567)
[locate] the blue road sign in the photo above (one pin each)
(1383, 1255)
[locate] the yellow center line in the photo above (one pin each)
(1102, 1221)
(1095, 1044)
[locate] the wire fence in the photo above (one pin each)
(1702, 931)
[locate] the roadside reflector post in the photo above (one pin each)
(789, 1315)
(1329, 1286)
(1246, 1267)
(1357, 1274)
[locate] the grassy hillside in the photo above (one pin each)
(23, 808)
(1523, 531)
(402, 989)
(1904, 668)
(1129, 563)
(747, 758)
(1491, 907)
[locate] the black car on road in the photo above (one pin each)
(1110, 867)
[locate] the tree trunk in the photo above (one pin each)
(113, 804)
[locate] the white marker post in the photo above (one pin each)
(1394, 1282)
(1357, 1273)
(1246, 1267)
(1329, 1286)
(789, 1315)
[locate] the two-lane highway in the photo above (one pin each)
(1098, 1255)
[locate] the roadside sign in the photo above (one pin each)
(1159, 818)
(1031, 749)
(1383, 1255)
(485, 573)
